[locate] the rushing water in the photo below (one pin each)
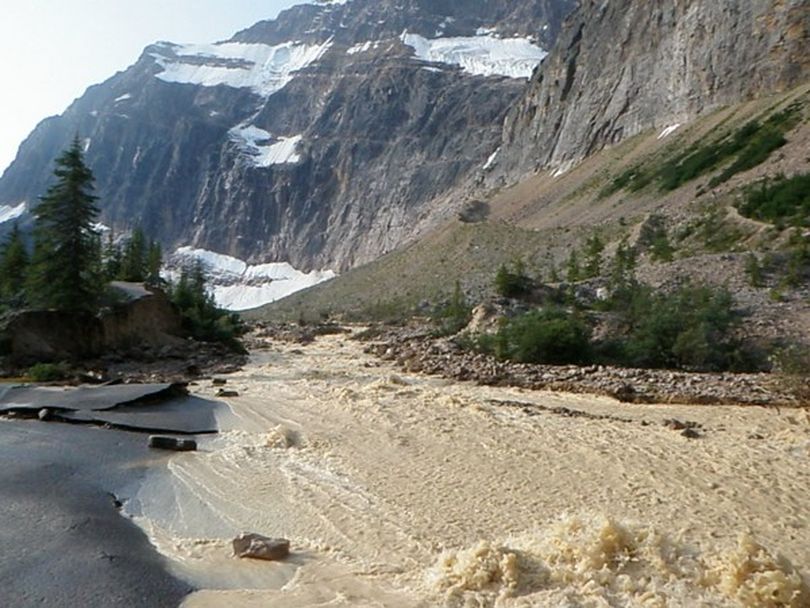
(403, 490)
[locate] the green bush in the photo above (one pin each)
(552, 336)
(47, 372)
(749, 146)
(754, 271)
(513, 283)
(453, 316)
(689, 328)
(798, 262)
(778, 200)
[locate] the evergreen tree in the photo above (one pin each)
(593, 256)
(622, 270)
(203, 319)
(66, 262)
(112, 259)
(154, 260)
(13, 268)
(133, 262)
(573, 271)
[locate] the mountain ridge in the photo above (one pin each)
(315, 139)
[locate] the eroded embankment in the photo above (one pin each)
(404, 490)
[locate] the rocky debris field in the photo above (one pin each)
(415, 350)
(183, 362)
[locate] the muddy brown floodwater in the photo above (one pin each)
(403, 490)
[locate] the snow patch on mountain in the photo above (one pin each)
(491, 160)
(483, 55)
(282, 152)
(8, 213)
(237, 285)
(255, 143)
(263, 68)
(364, 47)
(669, 131)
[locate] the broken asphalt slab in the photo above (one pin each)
(165, 408)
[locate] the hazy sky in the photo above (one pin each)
(52, 50)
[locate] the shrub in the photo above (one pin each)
(747, 147)
(793, 364)
(690, 328)
(552, 336)
(512, 283)
(798, 261)
(754, 271)
(455, 315)
(778, 200)
(47, 372)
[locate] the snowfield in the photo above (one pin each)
(8, 213)
(255, 143)
(483, 55)
(237, 285)
(263, 68)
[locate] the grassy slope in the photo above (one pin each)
(541, 218)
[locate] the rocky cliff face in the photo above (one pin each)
(315, 139)
(624, 66)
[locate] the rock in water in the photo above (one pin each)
(227, 393)
(256, 546)
(170, 443)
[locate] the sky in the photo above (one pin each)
(52, 50)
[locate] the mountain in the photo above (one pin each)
(316, 139)
(648, 117)
(621, 67)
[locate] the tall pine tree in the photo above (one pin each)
(65, 273)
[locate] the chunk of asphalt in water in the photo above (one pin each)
(256, 546)
(155, 408)
(86, 398)
(159, 442)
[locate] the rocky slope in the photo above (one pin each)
(314, 139)
(625, 66)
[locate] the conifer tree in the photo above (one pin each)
(65, 273)
(13, 268)
(593, 256)
(154, 260)
(573, 271)
(112, 259)
(133, 263)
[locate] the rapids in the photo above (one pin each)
(403, 490)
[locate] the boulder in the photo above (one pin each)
(171, 443)
(256, 546)
(227, 393)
